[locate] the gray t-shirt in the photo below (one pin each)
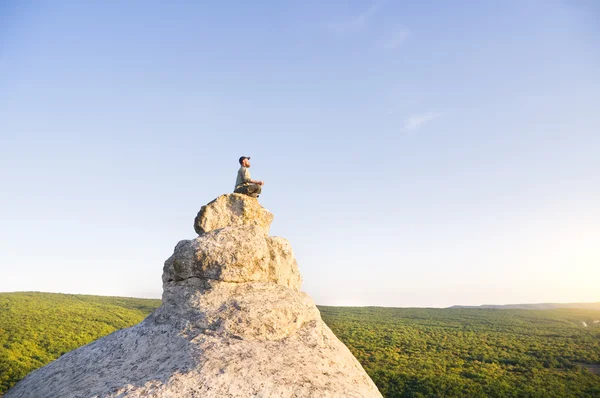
(243, 177)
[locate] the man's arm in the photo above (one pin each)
(250, 180)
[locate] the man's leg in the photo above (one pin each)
(254, 190)
(243, 190)
(250, 190)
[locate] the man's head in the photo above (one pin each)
(245, 161)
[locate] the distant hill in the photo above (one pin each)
(540, 306)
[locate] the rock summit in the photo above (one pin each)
(233, 323)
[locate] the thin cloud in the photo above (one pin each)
(355, 23)
(414, 122)
(402, 105)
(396, 38)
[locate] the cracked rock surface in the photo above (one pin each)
(233, 323)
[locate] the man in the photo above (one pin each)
(244, 184)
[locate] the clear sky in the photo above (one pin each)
(415, 153)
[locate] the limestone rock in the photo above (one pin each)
(232, 209)
(232, 254)
(233, 323)
(246, 311)
(283, 268)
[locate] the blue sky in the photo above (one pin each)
(414, 153)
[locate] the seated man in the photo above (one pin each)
(244, 184)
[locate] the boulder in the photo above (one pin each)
(231, 254)
(234, 254)
(231, 210)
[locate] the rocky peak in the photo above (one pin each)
(233, 323)
(233, 246)
(233, 209)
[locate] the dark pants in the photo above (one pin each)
(250, 190)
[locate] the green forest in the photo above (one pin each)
(36, 328)
(415, 352)
(408, 352)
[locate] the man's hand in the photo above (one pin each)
(261, 183)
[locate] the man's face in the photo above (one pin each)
(246, 162)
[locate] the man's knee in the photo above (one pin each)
(253, 188)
